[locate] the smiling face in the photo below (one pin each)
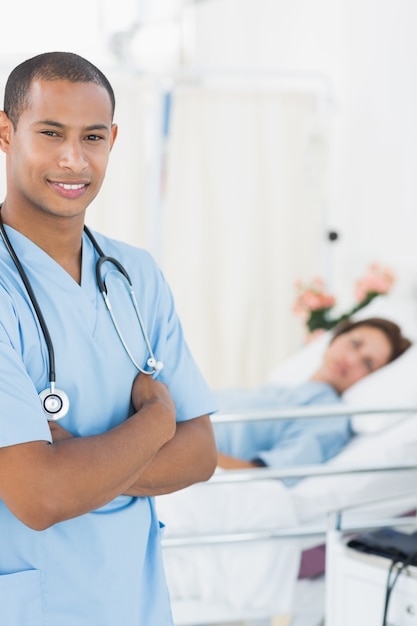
(58, 153)
(352, 356)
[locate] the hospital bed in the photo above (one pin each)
(233, 546)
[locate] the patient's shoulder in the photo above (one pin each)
(317, 392)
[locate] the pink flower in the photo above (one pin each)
(313, 303)
(312, 297)
(378, 279)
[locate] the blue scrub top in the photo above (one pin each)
(285, 442)
(103, 568)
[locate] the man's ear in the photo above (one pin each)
(113, 134)
(6, 131)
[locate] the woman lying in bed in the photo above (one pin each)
(356, 350)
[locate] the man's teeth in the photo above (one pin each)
(66, 186)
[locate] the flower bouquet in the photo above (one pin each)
(314, 305)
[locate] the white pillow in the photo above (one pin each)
(393, 385)
(301, 365)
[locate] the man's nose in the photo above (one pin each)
(73, 156)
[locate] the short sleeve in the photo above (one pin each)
(21, 416)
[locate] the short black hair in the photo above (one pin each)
(49, 66)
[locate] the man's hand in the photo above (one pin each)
(147, 390)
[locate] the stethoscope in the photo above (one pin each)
(55, 402)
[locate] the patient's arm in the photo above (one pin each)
(230, 462)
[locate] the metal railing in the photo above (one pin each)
(302, 471)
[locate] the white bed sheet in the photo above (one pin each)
(314, 497)
(243, 576)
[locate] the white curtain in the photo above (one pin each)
(244, 211)
(122, 208)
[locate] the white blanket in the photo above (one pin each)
(244, 576)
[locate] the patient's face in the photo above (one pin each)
(352, 356)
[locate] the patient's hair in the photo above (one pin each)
(49, 66)
(392, 331)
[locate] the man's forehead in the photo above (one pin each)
(52, 99)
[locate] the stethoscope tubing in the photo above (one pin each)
(34, 301)
(101, 283)
(56, 397)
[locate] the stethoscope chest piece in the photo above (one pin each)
(55, 403)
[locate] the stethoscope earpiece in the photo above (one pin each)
(155, 365)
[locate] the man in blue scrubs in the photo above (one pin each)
(79, 539)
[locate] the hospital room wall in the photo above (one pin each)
(238, 316)
(368, 52)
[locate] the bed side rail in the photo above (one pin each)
(325, 410)
(305, 471)
(335, 523)
(293, 532)
(302, 471)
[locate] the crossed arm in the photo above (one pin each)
(148, 454)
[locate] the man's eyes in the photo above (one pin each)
(91, 137)
(94, 137)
